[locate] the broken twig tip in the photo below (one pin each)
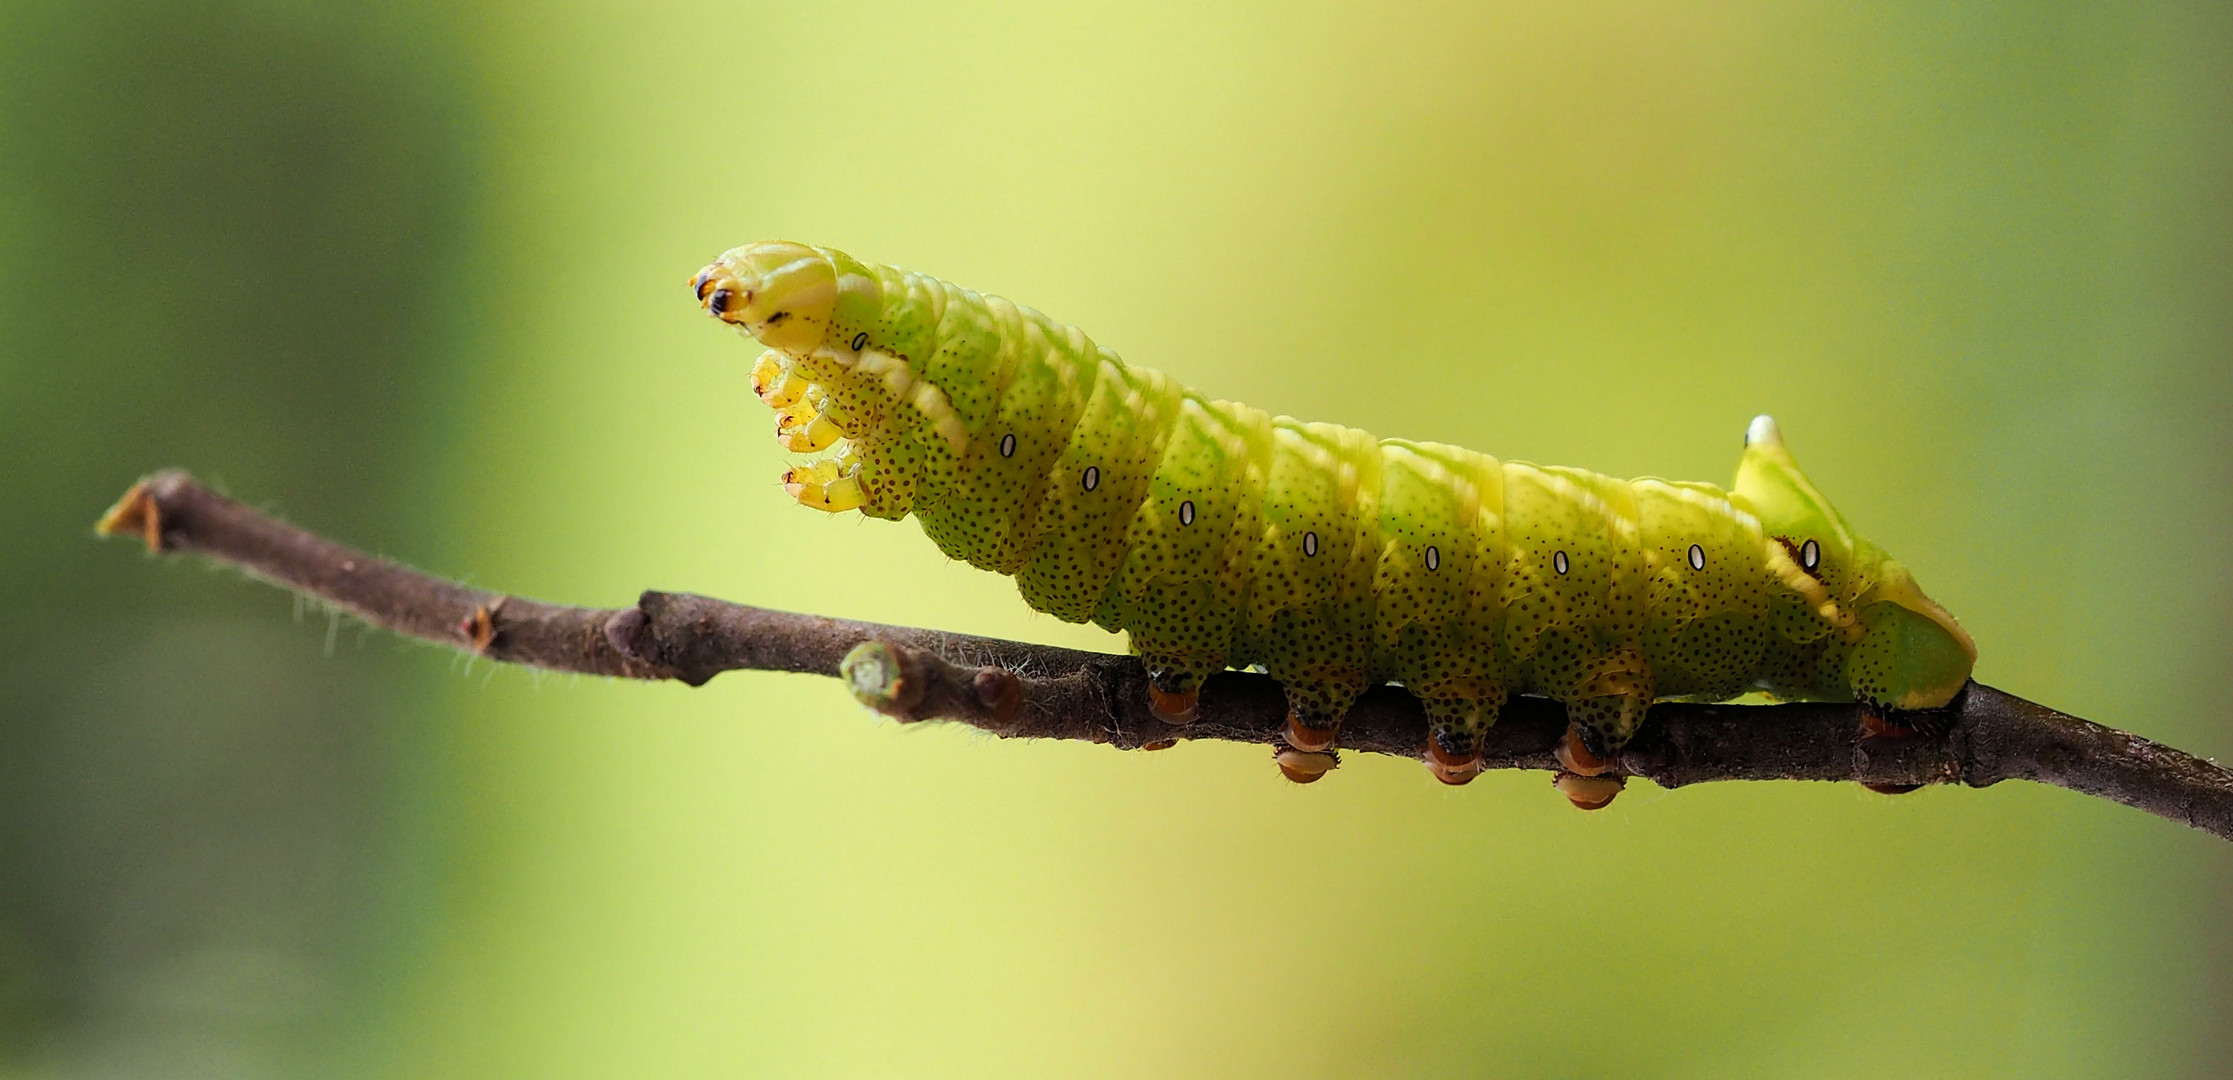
(137, 512)
(878, 676)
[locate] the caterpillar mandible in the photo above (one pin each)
(1220, 536)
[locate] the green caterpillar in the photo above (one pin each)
(1219, 536)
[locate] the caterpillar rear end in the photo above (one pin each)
(1219, 536)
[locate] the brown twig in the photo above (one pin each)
(1037, 691)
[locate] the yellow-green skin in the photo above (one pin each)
(1220, 536)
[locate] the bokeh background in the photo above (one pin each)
(412, 274)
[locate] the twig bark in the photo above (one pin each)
(1036, 691)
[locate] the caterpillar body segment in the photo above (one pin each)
(1219, 536)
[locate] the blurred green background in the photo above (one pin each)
(413, 274)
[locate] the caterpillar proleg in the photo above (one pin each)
(1217, 535)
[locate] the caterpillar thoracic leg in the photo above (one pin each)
(806, 432)
(823, 487)
(775, 382)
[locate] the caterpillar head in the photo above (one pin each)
(831, 387)
(782, 293)
(1906, 651)
(785, 295)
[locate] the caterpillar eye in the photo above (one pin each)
(1810, 556)
(720, 301)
